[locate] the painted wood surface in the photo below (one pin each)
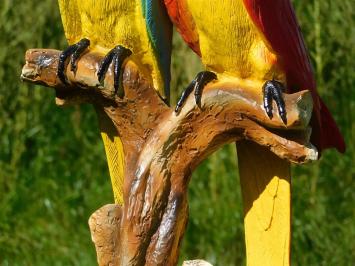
(266, 189)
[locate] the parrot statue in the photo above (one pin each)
(257, 43)
(119, 29)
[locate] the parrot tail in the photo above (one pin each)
(115, 159)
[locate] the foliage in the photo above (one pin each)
(53, 172)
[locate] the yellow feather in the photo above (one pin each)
(115, 159)
(70, 19)
(230, 43)
(114, 154)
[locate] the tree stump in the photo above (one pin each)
(162, 148)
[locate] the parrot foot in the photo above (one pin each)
(272, 90)
(75, 51)
(200, 81)
(117, 56)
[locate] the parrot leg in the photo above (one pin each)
(75, 51)
(272, 90)
(117, 56)
(197, 84)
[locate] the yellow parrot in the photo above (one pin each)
(139, 29)
(256, 44)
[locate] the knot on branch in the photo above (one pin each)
(162, 148)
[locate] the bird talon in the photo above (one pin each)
(198, 84)
(116, 56)
(74, 51)
(272, 90)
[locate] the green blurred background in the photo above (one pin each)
(53, 173)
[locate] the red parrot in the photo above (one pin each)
(258, 40)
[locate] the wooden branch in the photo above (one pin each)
(163, 148)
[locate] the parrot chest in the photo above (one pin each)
(109, 23)
(229, 41)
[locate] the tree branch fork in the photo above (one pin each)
(162, 148)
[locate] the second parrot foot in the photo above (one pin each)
(200, 81)
(117, 56)
(272, 90)
(74, 51)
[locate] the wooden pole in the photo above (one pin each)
(266, 189)
(161, 149)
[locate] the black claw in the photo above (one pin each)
(105, 63)
(198, 84)
(267, 99)
(61, 64)
(81, 46)
(202, 79)
(74, 51)
(117, 56)
(184, 96)
(272, 90)
(117, 77)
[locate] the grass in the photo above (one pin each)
(53, 173)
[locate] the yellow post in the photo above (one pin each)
(266, 188)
